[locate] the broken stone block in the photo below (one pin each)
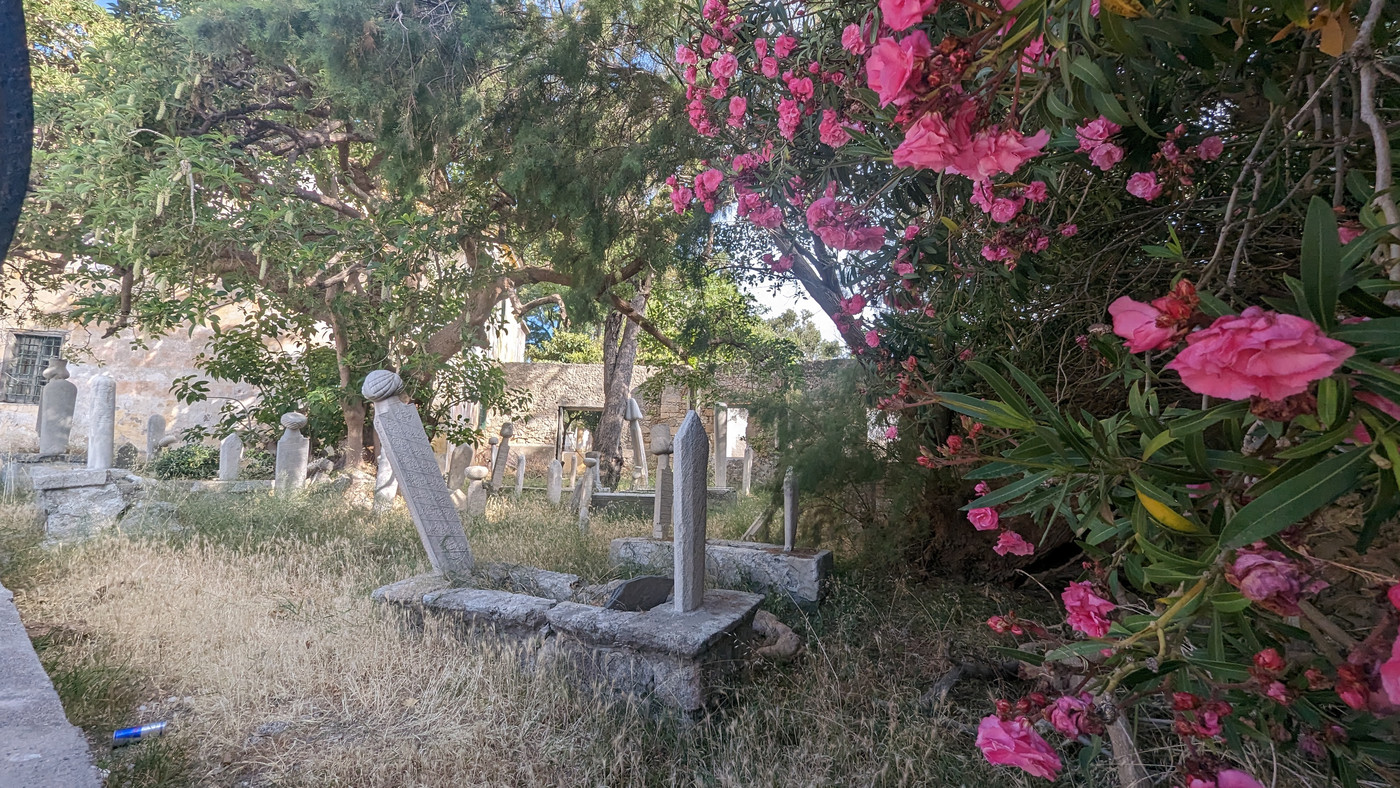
(79, 503)
(800, 574)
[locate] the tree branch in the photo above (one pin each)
(646, 325)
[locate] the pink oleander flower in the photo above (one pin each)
(853, 306)
(1271, 579)
(1067, 713)
(1106, 156)
(1012, 542)
(784, 45)
(708, 45)
(714, 10)
(1390, 673)
(996, 151)
(686, 56)
(928, 144)
(707, 183)
(1144, 185)
(1095, 133)
(902, 14)
(984, 519)
(853, 40)
(760, 47)
(1349, 232)
(872, 339)
(982, 488)
(738, 107)
(1234, 778)
(783, 264)
(1258, 354)
(911, 232)
(1088, 612)
(1137, 323)
(1015, 743)
(892, 431)
(725, 66)
(903, 268)
(832, 131)
(1004, 209)
(841, 225)
(801, 89)
(996, 252)
(1069, 230)
(1036, 191)
(1210, 148)
(894, 67)
(789, 117)
(680, 198)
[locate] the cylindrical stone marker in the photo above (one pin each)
(56, 404)
(102, 423)
(789, 510)
(721, 445)
(519, 473)
(230, 457)
(293, 452)
(746, 481)
(155, 433)
(639, 454)
(661, 508)
(555, 486)
(476, 490)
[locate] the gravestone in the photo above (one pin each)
(474, 503)
(721, 444)
(554, 487)
(230, 457)
(386, 487)
(639, 454)
(571, 460)
(789, 510)
(640, 593)
(458, 461)
(498, 466)
(584, 492)
(661, 505)
(56, 403)
(155, 434)
(102, 423)
(494, 443)
(406, 446)
(691, 454)
(746, 481)
(127, 455)
(293, 452)
(519, 473)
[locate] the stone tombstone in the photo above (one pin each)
(230, 457)
(56, 403)
(498, 466)
(155, 433)
(410, 455)
(293, 453)
(386, 487)
(639, 453)
(554, 487)
(746, 481)
(477, 494)
(721, 444)
(493, 442)
(102, 423)
(519, 473)
(457, 463)
(661, 507)
(691, 448)
(585, 492)
(789, 510)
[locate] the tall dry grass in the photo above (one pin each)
(251, 630)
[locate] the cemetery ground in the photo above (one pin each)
(251, 630)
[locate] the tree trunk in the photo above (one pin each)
(353, 409)
(619, 356)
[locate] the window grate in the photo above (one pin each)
(24, 374)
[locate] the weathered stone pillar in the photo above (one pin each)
(721, 444)
(661, 508)
(639, 454)
(585, 497)
(519, 473)
(386, 487)
(293, 452)
(230, 457)
(498, 466)
(155, 435)
(789, 510)
(746, 481)
(492, 443)
(459, 459)
(689, 504)
(476, 490)
(554, 487)
(405, 445)
(56, 403)
(102, 423)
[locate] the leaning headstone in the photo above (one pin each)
(746, 481)
(498, 467)
(661, 507)
(789, 510)
(230, 457)
(102, 423)
(155, 433)
(293, 452)
(639, 454)
(519, 473)
(405, 445)
(475, 499)
(56, 404)
(721, 444)
(554, 487)
(584, 492)
(691, 449)
(457, 463)
(640, 593)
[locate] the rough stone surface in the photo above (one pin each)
(78, 503)
(56, 404)
(530, 580)
(554, 487)
(799, 574)
(102, 420)
(690, 511)
(230, 457)
(293, 452)
(521, 615)
(640, 593)
(410, 454)
(38, 748)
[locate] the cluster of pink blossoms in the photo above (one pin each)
(1172, 165)
(985, 518)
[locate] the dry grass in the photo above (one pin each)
(251, 630)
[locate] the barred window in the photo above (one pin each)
(24, 366)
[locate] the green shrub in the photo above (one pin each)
(191, 461)
(258, 464)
